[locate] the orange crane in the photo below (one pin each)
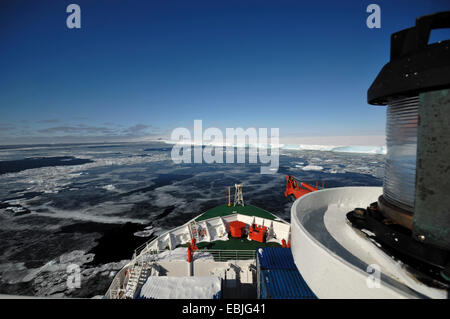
(293, 188)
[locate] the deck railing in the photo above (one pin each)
(217, 254)
(150, 242)
(226, 255)
(138, 250)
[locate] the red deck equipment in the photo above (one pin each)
(191, 247)
(236, 228)
(189, 259)
(309, 187)
(257, 233)
(193, 244)
(293, 188)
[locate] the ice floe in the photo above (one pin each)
(312, 168)
(147, 232)
(53, 179)
(110, 187)
(52, 278)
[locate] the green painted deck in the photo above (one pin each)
(225, 210)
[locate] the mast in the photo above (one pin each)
(238, 197)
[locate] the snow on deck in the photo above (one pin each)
(207, 287)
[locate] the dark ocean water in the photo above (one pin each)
(37, 162)
(84, 204)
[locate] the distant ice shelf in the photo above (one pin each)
(380, 149)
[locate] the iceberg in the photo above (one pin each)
(361, 149)
(335, 148)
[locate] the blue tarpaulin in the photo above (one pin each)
(284, 284)
(275, 258)
(279, 278)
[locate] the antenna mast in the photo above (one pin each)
(238, 197)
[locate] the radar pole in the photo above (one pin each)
(238, 197)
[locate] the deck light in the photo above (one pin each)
(412, 218)
(415, 86)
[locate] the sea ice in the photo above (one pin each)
(312, 168)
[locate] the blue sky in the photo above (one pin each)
(144, 67)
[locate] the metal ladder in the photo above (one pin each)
(133, 281)
(145, 272)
